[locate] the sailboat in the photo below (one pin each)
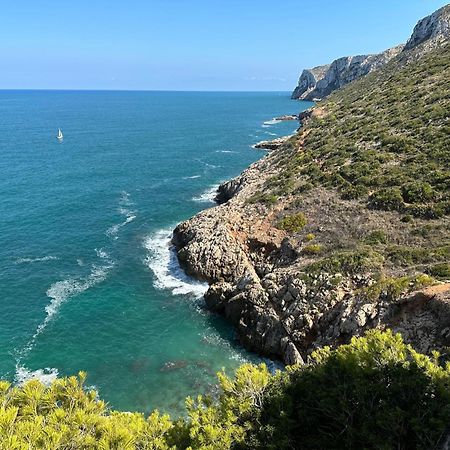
(60, 135)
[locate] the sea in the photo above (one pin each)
(88, 280)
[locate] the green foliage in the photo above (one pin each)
(292, 224)
(387, 198)
(266, 198)
(66, 416)
(441, 270)
(375, 392)
(404, 256)
(391, 288)
(359, 261)
(417, 192)
(376, 237)
(382, 138)
(310, 237)
(313, 249)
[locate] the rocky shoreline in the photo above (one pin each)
(256, 274)
(296, 262)
(272, 144)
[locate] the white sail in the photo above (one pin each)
(60, 135)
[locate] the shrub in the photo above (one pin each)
(374, 393)
(292, 224)
(441, 270)
(387, 198)
(310, 237)
(417, 192)
(376, 237)
(267, 199)
(359, 261)
(313, 249)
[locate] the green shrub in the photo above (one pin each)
(267, 199)
(374, 393)
(359, 261)
(441, 270)
(417, 192)
(376, 237)
(292, 224)
(310, 237)
(387, 198)
(313, 249)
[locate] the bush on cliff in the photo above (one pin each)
(374, 393)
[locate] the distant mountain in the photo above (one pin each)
(318, 82)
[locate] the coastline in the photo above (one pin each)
(256, 271)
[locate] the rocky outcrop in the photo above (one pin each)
(272, 144)
(257, 274)
(433, 30)
(286, 117)
(315, 84)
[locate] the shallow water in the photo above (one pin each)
(87, 279)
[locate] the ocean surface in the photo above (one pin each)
(87, 278)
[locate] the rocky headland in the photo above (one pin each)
(316, 83)
(344, 226)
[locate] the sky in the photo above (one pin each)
(249, 45)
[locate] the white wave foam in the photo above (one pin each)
(163, 262)
(208, 195)
(38, 259)
(270, 134)
(125, 209)
(101, 253)
(225, 151)
(61, 291)
(191, 177)
(45, 376)
(271, 122)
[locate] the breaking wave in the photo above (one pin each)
(45, 376)
(208, 195)
(163, 262)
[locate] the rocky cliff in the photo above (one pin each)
(342, 228)
(320, 81)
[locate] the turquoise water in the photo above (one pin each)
(87, 279)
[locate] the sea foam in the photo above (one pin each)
(163, 262)
(208, 195)
(60, 291)
(271, 122)
(33, 260)
(45, 376)
(125, 209)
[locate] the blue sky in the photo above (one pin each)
(190, 44)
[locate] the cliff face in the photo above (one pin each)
(342, 228)
(433, 30)
(320, 81)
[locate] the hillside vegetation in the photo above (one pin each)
(375, 393)
(382, 142)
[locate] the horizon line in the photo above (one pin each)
(136, 90)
